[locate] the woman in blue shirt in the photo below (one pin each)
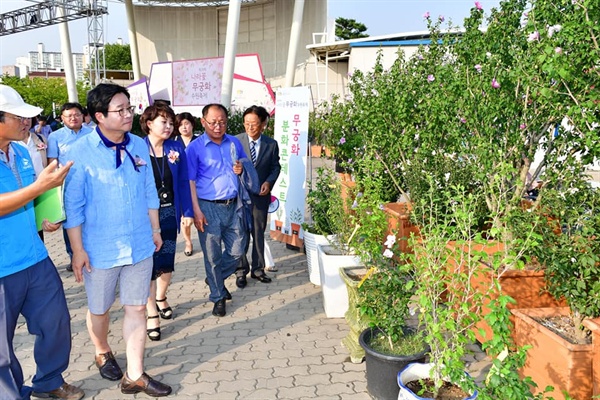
(184, 134)
(169, 165)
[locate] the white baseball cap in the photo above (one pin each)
(12, 102)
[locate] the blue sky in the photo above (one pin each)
(394, 16)
(380, 16)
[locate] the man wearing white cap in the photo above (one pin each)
(29, 282)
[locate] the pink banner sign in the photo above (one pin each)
(197, 82)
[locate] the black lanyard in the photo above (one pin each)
(161, 169)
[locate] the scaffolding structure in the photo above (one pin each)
(45, 13)
(97, 57)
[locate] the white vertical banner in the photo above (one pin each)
(291, 133)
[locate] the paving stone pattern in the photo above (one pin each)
(274, 343)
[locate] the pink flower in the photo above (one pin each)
(522, 126)
(558, 50)
(463, 120)
(173, 156)
(342, 140)
(478, 5)
(426, 15)
(495, 84)
(533, 36)
(41, 146)
(139, 161)
(430, 78)
(478, 67)
(441, 18)
(388, 253)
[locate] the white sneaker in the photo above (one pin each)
(271, 269)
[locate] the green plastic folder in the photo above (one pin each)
(49, 206)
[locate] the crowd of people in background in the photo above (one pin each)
(126, 199)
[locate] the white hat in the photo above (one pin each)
(12, 102)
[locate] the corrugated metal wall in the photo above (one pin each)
(183, 33)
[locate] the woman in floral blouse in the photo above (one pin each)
(172, 184)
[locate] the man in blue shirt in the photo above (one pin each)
(61, 140)
(214, 166)
(29, 282)
(112, 222)
(42, 127)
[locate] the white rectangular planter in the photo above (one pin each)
(311, 241)
(335, 294)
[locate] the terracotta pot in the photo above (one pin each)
(316, 151)
(525, 286)
(552, 360)
(344, 176)
(594, 326)
(347, 194)
(327, 151)
(398, 224)
(277, 234)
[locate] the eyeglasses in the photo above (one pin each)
(73, 116)
(20, 119)
(215, 123)
(124, 111)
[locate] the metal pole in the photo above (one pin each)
(233, 22)
(67, 56)
(290, 70)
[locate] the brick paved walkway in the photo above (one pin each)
(274, 343)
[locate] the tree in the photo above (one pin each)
(117, 57)
(44, 93)
(349, 29)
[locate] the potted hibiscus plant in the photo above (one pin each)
(561, 353)
(443, 264)
(390, 342)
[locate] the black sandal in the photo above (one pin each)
(153, 333)
(165, 313)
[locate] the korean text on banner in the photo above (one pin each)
(291, 132)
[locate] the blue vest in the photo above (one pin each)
(20, 245)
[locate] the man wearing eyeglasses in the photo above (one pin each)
(214, 165)
(61, 140)
(29, 282)
(264, 152)
(112, 222)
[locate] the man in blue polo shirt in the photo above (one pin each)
(214, 166)
(29, 282)
(61, 141)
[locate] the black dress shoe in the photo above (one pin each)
(219, 308)
(109, 369)
(145, 384)
(241, 281)
(261, 277)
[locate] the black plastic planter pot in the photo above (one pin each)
(382, 369)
